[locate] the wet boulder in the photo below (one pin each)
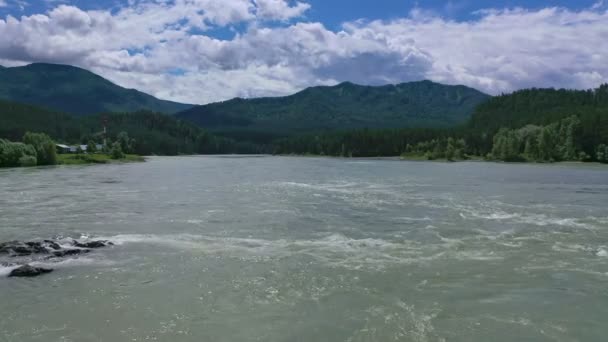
(36, 247)
(29, 271)
(18, 248)
(52, 244)
(6, 247)
(70, 252)
(93, 244)
(24, 252)
(21, 250)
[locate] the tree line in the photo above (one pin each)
(149, 133)
(541, 125)
(36, 149)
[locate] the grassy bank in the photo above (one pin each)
(97, 158)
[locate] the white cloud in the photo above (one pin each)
(598, 5)
(279, 9)
(137, 46)
(3, 3)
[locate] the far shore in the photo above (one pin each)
(95, 158)
(469, 159)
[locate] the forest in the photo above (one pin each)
(150, 133)
(535, 125)
(539, 125)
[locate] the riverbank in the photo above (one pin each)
(97, 158)
(469, 158)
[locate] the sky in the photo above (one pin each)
(201, 51)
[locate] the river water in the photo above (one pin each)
(311, 249)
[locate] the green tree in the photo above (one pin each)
(91, 147)
(602, 153)
(126, 144)
(506, 145)
(116, 151)
(461, 147)
(450, 149)
(14, 154)
(568, 129)
(546, 144)
(46, 152)
(27, 161)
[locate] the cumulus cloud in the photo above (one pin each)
(279, 9)
(140, 45)
(507, 49)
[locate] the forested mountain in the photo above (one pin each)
(149, 133)
(533, 125)
(342, 107)
(421, 119)
(76, 91)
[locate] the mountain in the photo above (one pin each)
(342, 107)
(76, 91)
(541, 125)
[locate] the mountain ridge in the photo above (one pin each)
(342, 107)
(76, 91)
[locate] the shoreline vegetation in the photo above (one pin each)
(532, 125)
(422, 158)
(38, 149)
(97, 158)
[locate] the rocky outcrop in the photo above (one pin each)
(68, 252)
(23, 252)
(29, 271)
(18, 248)
(93, 244)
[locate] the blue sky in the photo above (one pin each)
(201, 51)
(333, 12)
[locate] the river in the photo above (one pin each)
(310, 249)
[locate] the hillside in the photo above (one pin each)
(76, 91)
(543, 107)
(342, 107)
(152, 133)
(541, 125)
(17, 118)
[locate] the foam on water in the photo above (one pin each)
(602, 252)
(6, 270)
(79, 261)
(334, 250)
(74, 262)
(542, 220)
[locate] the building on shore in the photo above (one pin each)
(62, 148)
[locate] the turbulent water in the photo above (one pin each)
(305, 249)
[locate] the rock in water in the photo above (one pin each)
(69, 252)
(52, 244)
(92, 244)
(29, 271)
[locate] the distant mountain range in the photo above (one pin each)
(76, 91)
(70, 104)
(345, 106)
(342, 107)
